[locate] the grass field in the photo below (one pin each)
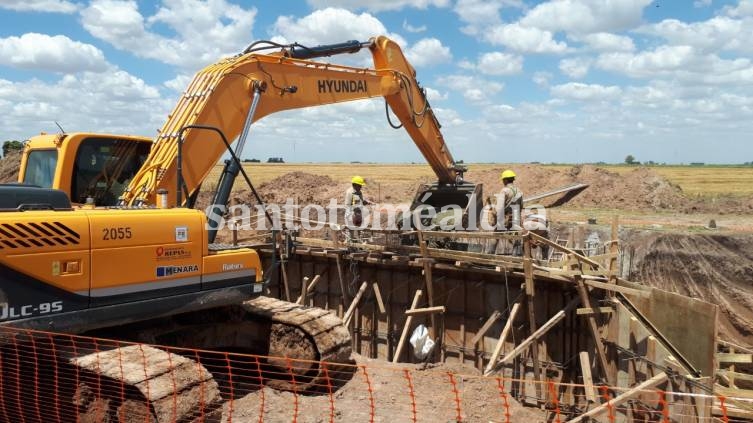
(705, 181)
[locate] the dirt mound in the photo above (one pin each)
(303, 187)
(9, 166)
(714, 268)
(639, 189)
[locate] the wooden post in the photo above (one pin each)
(619, 399)
(613, 250)
(342, 280)
(601, 356)
(285, 284)
(304, 290)
(378, 296)
(406, 327)
(502, 338)
(485, 328)
(429, 279)
(588, 383)
(349, 314)
(530, 292)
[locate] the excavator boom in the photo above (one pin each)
(235, 92)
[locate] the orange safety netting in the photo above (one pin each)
(52, 377)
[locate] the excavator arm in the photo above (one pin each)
(235, 92)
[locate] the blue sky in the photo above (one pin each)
(510, 80)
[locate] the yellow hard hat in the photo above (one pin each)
(358, 180)
(507, 174)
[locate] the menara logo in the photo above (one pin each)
(341, 86)
(165, 271)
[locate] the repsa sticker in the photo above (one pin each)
(181, 234)
(171, 253)
(167, 271)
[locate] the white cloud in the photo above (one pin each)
(525, 39)
(475, 90)
(435, 95)
(328, 26)
(542, 78)
(179, 83)
(51, 53)
(113, 101)
(586, 92)
(718, 33)
(701, 3)
(428, 52)
(496, 63)
(604, 41)
(56, 6)
(377, 6)
(205, 31)
(478, 14)
(744, 8)
(576, 67)
(585, 16)
(414, 29)
(649, 63)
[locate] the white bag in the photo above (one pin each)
(422, 344)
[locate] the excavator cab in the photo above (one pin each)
(84, 166)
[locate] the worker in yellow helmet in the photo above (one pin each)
(511, 203)
(354, 203)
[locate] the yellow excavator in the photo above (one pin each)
(100, 234)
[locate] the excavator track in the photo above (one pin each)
(315, 340)
(306, 350)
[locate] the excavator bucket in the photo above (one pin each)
(438, 206)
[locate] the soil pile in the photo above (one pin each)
(639, 189)
(306, 188)
(715, 268)
(9, 166)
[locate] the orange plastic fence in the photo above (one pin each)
(51, 377)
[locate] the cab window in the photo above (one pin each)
(40, 168)
(104, 167)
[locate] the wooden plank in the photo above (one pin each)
(427, 310)
(530, 293)
(594, 310)
(618, 288)
(349, 314)
(613, 249)
(343, 292)
(502, 338)
(735, 375)
(312, 285)
(619, 399)
(406, 327)
(378, 295)
(593, 327)
(486, 326)
(285, 284)
(734, 358)
(588, 383)
(429, 281)
(540, 332)
(304, 290)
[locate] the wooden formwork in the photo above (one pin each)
(575, 322)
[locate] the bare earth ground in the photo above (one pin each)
(479, 398)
